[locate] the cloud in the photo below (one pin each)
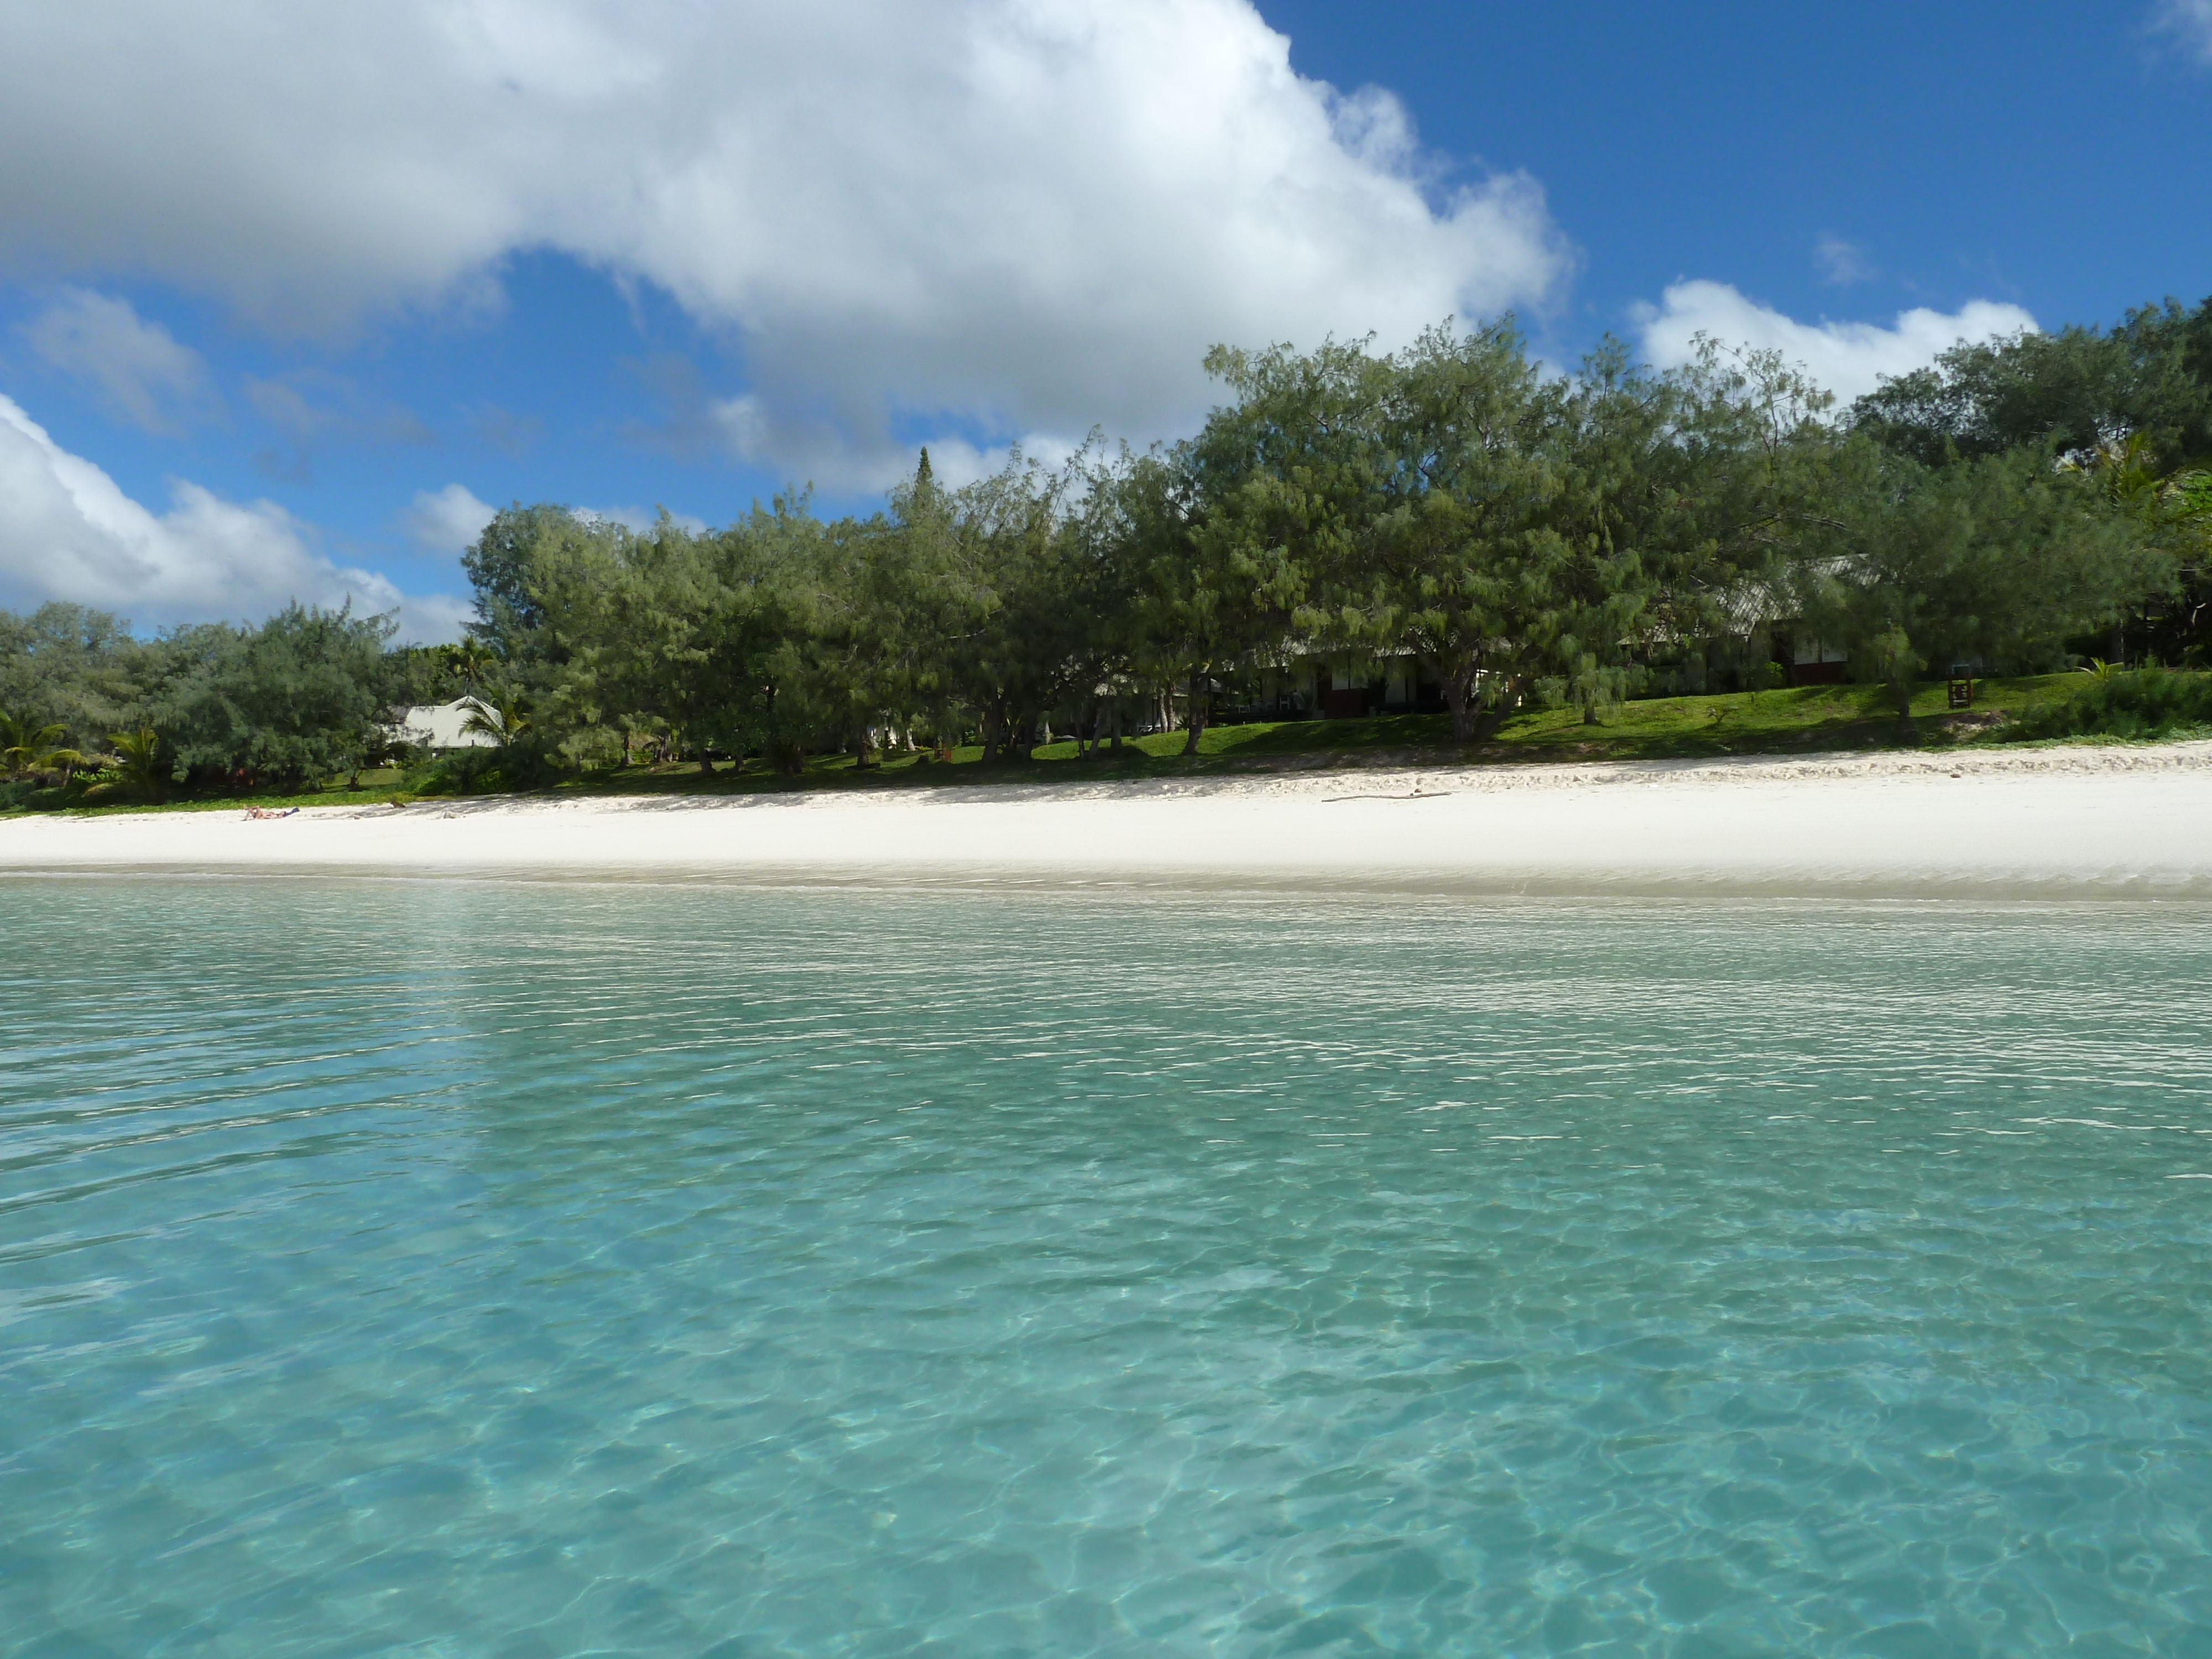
(446, 520)
(1029, 215)
(1849, 358)
(2190, 20)
(335, 413)
(1841, 262)
(513, 435)
(637, 519)
(68, 532)
(141, 370)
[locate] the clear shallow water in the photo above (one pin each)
(453, 1269)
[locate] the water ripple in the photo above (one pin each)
(541, 1270)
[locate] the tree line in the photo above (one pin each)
(1512, 533)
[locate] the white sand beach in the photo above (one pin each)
(2088, 822)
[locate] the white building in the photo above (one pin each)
(438, 725)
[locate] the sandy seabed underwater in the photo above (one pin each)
(460, 1268)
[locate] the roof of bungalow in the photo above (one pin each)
(439, 725)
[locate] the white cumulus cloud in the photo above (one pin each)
(446, 520)
(143, 372)
(2190, 20)
(68, 531)
(1015, 216)
(1849, 358)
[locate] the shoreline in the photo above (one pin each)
(2072, 821)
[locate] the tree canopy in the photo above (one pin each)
(1502, 531)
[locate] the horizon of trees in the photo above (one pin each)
(1521, 535)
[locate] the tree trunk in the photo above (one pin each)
(1459, 698)
(1198, 713)
(1473, 720)
(1114, 717)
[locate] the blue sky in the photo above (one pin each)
(295, 290)
(2042, 154)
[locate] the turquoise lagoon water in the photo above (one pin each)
(444, 1268)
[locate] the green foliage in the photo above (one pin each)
(2173, 511)
(519, 758)
(294, 701)
(34, 753)
(1993, 561)
(502, 715)
(26, 748)
(991, 575)
(2072, 390)
(68, 666)
(503, 566)
(415, 675)
(2148, 703)
(1528, 537)
(1509, 529)
(461, 771)
(668, 632)
(144, 762)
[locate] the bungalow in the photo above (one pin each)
(1756, 609)
(438, 727)
(1341, 686)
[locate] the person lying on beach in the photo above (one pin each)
(268, 812)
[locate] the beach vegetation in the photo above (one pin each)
(2150, 702)
(292, 702)
(1784, 721)
(28, 748)
(142, 762)
(1451, 549)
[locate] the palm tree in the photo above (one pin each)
(2125, 472)
(502, 715)
(470, 662)
(24, 748)
(31, 751)
(140, 758)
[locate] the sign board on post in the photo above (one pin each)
(1962, 686)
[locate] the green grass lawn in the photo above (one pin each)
(376, 787)
(1803, 721)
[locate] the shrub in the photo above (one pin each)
(2150, 703)
(462, 772)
